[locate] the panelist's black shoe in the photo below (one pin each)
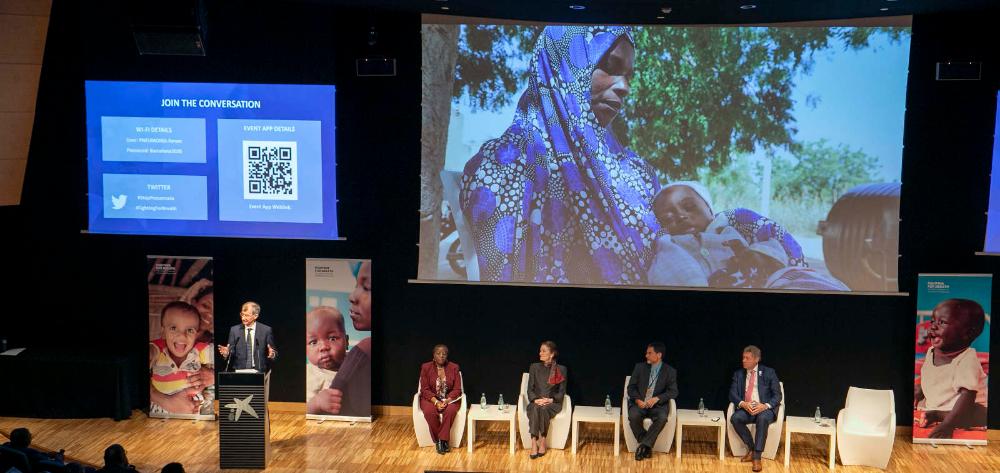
(649, 452)
(437, 445)
(640, 453)
(445, 447)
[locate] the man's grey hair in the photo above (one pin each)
(753, 350)
(254, 307)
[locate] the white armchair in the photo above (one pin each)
(866, 427)
(423, 432)
(663, 441)
(773, 431)
(559, 426)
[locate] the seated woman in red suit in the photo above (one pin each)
(440, 386)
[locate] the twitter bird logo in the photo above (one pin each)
(118, 202)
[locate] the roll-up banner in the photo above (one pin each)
(181, 337)
(952, 358)
(338, 339)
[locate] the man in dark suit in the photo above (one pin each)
(756, 393)
(652, 386)
(251, 344)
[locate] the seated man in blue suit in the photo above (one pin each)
(251, 343)
(652, 386)
(757, 394)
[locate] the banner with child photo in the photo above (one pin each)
(952, 358)
(181, 337)
(338, 339)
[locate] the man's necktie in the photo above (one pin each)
(250, 360)
(748, 396)
(652, 384)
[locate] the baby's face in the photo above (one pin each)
(326, 343)
(949, 329)
(180, 328)
(680, 210)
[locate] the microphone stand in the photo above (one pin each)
(230, 357)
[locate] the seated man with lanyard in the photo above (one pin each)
(652, 385)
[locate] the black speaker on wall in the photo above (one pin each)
(962, 70)
(171, 28)
(375, 66)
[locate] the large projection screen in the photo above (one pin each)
(211, 159)
(761, 158)
(992, 243)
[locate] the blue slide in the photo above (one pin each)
(236, 160)
(992, 244)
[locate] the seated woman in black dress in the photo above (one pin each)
(546, 388)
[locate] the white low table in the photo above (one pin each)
(690, 417)
(595, 414)
(805, 425)
(492, 412)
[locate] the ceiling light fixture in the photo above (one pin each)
(661, 17)
(577, 7)
(445, 8)
(666, 10)
(748, 6)
(883, 9)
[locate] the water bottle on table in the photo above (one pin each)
(502, 405)
(816, 417)
(701, 407)
(607, 404)
(482, 402)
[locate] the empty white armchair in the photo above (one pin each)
(422, 430)
(866, 427)
(666, 437)
(559, 426)
(773, 432)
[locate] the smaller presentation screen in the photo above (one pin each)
(232, 160)
(992, 244)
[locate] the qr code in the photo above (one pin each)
(269, 170)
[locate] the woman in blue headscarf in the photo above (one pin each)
(557, 199)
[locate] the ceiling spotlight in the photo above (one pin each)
(660, 17)
(577, 7)
(748, 6)
(445, 8)
(666, 10)
(883, 9)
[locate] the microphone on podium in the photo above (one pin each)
(230, 357)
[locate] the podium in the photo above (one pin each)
(244, 426)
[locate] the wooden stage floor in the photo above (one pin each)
(388, 445)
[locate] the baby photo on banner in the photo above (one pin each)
(181, 335)
(952, 359)
(338, 339)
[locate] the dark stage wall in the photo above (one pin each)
(87, 292)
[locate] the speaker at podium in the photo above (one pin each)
(244, 425)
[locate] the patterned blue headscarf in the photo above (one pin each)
(557, 199)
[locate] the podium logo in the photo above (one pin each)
(239, 406)
(118, 202)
